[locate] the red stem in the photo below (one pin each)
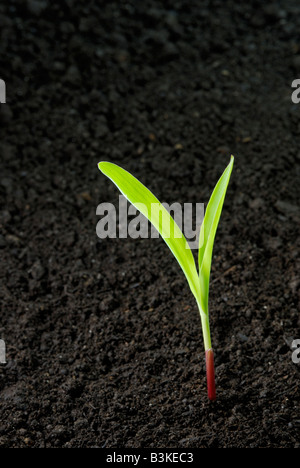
(210, 374)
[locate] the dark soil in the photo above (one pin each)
(103, 337)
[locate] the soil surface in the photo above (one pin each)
(103, 338)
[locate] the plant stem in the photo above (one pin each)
(210, 374)
(205, 329)
(209, 356)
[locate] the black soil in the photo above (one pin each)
(103, 338)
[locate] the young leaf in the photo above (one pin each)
(208, 232)
(144, 200)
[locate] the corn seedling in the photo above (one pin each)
(139, 196)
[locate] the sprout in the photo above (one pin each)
(137, 194)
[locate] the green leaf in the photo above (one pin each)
(144, 200)
(208, 232)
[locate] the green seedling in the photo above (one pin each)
(137, 194)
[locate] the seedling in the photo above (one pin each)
(137, 194)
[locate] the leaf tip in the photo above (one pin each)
(102, 166)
